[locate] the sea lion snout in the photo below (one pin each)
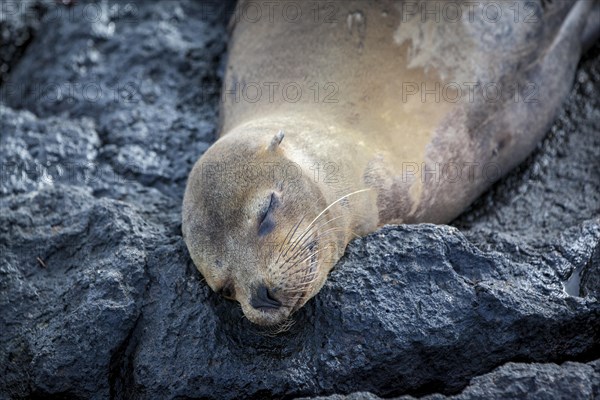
(263, 299)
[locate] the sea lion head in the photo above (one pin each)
(257, 226)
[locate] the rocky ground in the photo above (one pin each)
(105, 107)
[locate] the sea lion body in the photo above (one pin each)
(393, 112)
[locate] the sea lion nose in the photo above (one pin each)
(263, 299)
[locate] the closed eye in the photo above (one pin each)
(265, 210)
(266, 220)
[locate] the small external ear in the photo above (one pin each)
(276, 141)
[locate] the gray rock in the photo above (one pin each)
(590, 280)
(570, 380)
(38, 154)
(72, 275)
(352, 396)
(99, 298)
(19, 22)
(408, 309)
(145, 73)
(535, 381)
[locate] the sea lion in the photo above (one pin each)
(340, 117)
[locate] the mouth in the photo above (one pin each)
(273, 317)
(268, 317)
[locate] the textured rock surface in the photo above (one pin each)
(520, 381)
(101, 119)
(19, 21)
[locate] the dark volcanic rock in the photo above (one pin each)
(72, 277)
(19, 22)
(520, 381)
(414, 308)
(536, 382)
(145, 73)
(98, 296)
(38, 154)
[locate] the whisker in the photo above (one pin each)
(299, 288)
(301, 241)
(310, 275)
(302, 238)
(302, 260)
(293, 232)
(327, 208)
(298, 292)
(284, 326)
(307, 249)
(301, 251)
(337, 201)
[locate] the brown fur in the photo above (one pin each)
(373, 146)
